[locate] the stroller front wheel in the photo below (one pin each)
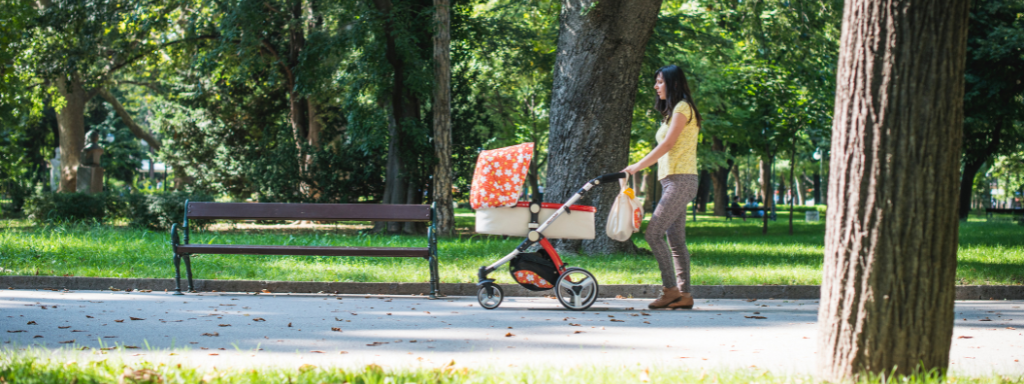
(489, 295)
(576, 289)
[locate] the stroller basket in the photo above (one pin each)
(515, 220)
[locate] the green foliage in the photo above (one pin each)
(67, 207)
(150, 211)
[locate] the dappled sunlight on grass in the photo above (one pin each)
(723, 252)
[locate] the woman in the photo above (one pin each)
(676, 155)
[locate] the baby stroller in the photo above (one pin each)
(497, 181)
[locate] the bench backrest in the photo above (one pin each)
(288, 211)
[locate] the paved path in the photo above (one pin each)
(412, 331)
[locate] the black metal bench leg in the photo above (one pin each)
(188, 272)
(177, 275)
(435, 291)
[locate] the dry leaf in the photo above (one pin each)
(119, 321)
(17, 331)
(37, 337)
(224, 325)
(64, 327)
(31, 323)
(509, 334)
(985, 319)
(259, 319)
(376, 343)
(214, 354)
(289, 325)
(136, 318)
(965, 337)
(751, 300)
(109, 337)
(130, 347)
(265, 291)
(570, 324)
(342, 352)
(1011, 328)
(619, 297)
(89, 317)
(211, 334)
(67, 342)
(316, 351)
(755, 317)
(617, 320)
(578, 332)
(336, 329)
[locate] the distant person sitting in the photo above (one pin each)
(753, 204)
(736, 209)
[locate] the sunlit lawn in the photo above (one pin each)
(724, 252)
(46, 369)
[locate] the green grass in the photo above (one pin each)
(50, 370)
(724, 252)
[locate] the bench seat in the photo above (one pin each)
(286, 250)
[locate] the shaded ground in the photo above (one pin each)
(290, 330)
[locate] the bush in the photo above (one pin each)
(155, 211)
(51, 207)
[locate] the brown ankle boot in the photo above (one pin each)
(668, 296)
(685, 302)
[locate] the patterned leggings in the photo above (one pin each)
(670, 218)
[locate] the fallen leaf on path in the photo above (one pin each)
(755, 317)
(136, 318)
(259, 319)
(985, 319)
(1011, 328)
(751, 300)
(214, 354)
(119, 321)
(77, 330)
(265, 291)
(579, 332)
(619, 297)
(647, 322)
(570, 324)
(37, 337)
(509, 334)
(64, 327)
(67, 342)
(109, 337)
(289, 325)
(131, 347)
(89, 317)
(342, 352)
(684, 357)
(31, 323)
(376, 343)
(108, 348)
(317, 351)
(224, 325)
(965, 337)
(336, 329)
(17, 331)
(617, 320)
(211, 334)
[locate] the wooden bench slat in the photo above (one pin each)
(223, 249)
(289, 211)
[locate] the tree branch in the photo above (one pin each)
(136, 130)
(161, 46)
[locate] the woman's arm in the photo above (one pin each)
(676, 126)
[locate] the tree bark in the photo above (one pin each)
(891, 240)
(720, 180)
(817, 188)
(443, 121)
(71, 123)
(597, 69)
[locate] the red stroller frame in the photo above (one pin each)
(575, 288)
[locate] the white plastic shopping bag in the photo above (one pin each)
(626, 215)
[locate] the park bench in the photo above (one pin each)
(1014, 212)
(771, 214)
(315, 212)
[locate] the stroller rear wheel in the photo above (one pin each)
(489, 295)
(576, 289)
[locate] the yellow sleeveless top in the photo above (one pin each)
(682, 158)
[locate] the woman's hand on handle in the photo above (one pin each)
(632, 169)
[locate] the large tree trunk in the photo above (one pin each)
(443, 121)
(600, 49)
(891, 241)
(71, 123)
(720, 180)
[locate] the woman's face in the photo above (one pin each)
(659, 86)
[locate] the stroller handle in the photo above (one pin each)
(607, 178)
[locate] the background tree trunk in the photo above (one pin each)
(891, 240)
(71, 123)
(443, 121)
(703, 191)
(974, 163)
(720, 180)
(600, 49)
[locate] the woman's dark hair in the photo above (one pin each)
(676, 89)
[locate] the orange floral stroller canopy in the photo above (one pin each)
(499, 176)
